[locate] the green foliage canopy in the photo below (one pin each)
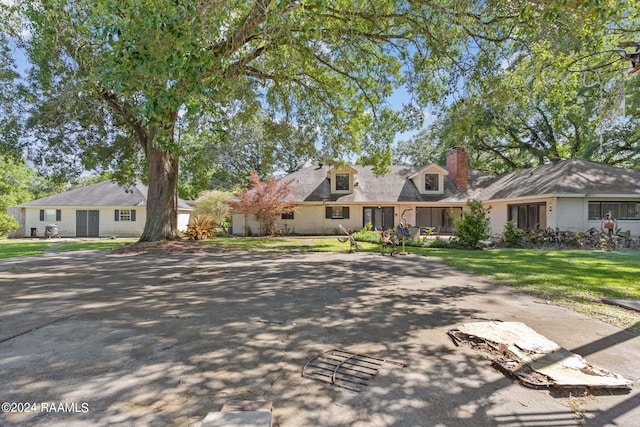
(17, 185)
(560, 90)
(114, 82)
(110, 80)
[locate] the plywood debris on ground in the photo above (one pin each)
(533, 359)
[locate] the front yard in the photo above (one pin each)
(572, 278)
(26, 247)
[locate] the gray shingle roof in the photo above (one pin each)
(106, 193)
(312, 185)
(573, 176)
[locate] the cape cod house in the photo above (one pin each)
(572, 195)
(104, 209)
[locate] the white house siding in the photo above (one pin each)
(571, 214)
(409, 216)
(354, 222)
(252, 226)
(310, 219)
(183, 220)
(623, 225)
(497, 217)
(110, 227)
(67, 225)
(237, 224)
(552, 213)
(244, 225)
(564, 213)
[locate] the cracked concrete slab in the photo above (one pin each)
(626, 303)
(534, 359)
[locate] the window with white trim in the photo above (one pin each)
(124, 215)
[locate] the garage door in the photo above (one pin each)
(87, 223)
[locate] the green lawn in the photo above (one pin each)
(18, 248)
(575, 279)
(587, 273)
(275, 244)
(572, 278)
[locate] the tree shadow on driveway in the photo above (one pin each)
(165, 339)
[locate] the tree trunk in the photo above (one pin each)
(162, 215)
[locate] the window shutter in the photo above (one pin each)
(133, 214)
(116, 216)
(345, 212)
(327, 212)
(41, 214)
(58, 215)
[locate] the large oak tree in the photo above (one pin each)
(111, 80)
(114, 83)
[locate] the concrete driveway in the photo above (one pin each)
(88, 338)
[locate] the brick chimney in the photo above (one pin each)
(458, 167)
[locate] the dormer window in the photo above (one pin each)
(429, 179)
(431, 182)
(342, 179)
(342, 182)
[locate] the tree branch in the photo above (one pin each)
(123, 110)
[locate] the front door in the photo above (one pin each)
(87, 223)
(381, 218)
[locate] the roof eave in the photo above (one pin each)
(614, 196)
(535, 197)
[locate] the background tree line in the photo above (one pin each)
(561, 90)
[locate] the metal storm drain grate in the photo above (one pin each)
(344, 369)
